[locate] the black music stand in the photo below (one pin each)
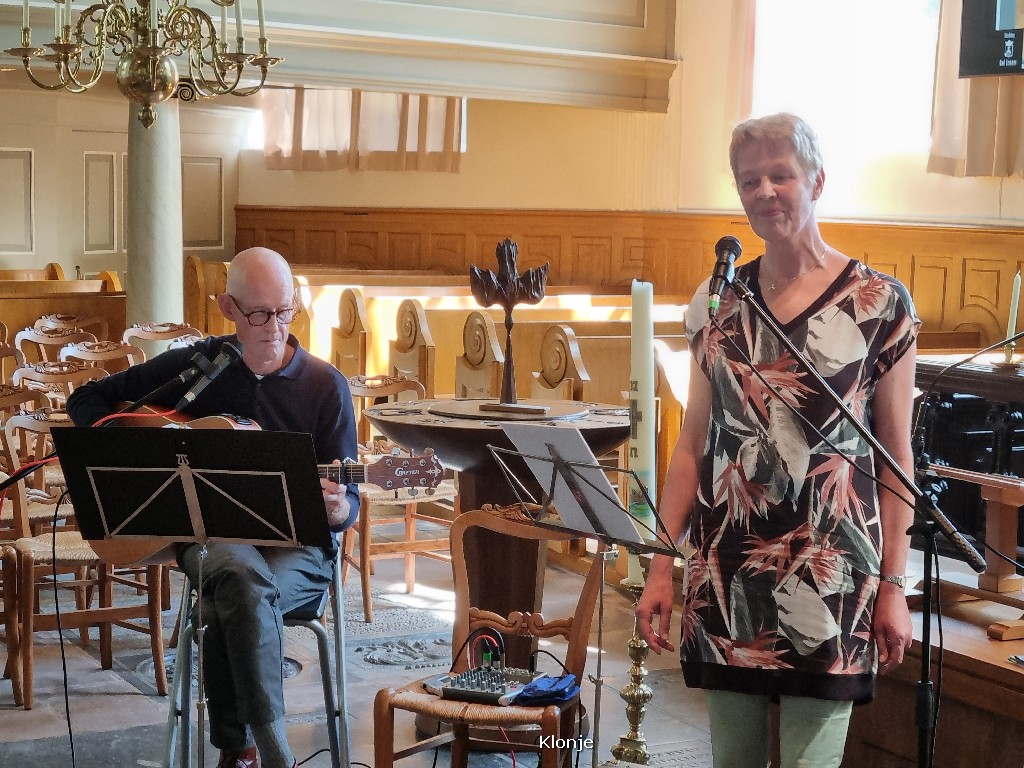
(184, 485)
(580, 499)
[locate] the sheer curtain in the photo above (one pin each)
(976, 122)
(325, 130)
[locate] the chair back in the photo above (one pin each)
(374, 390)
(160, 332)
(411, 354)
(97, 325)
(350, 338)
(10, 359)
(474, 565)
(24, 439)
(479, 368)
(112, 356)
(57, 379)
(562, 375)
(42, 345)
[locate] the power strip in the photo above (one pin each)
(483, 685)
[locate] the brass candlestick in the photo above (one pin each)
(632, 748)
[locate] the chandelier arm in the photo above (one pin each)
(60, 84)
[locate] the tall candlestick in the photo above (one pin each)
(641, 402)
(154, 18)
(262, 18)
(57, 7)
(67, 13)
(223, 25)
(240, 42)
(24, 15)
(1011, 323)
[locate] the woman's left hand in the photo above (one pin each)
(892, 627)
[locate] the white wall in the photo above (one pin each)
(62, 127)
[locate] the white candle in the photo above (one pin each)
(67, 13)
(57, 7)
(1011, 324)
(154, 18)
(262, 18)
(24, 15)
(224, 24)
(238, 26)
(642, 458)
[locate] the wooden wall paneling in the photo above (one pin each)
(363, 251)
(448, 252)
(322, 246)
(99, 214)
(933, 277)
(407, 249)
(17, 200)
(958, 276)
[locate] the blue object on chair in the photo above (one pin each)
(309, 616)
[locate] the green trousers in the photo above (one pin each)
(812, 732)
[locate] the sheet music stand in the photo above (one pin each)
(149, 488)
(161, 486)
(587, 505)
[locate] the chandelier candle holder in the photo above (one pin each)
(145, 38)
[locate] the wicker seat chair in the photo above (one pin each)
(531, 723)
(378, 389)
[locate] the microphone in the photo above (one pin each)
(728, 249)
(229, 353)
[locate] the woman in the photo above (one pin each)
(795, 593)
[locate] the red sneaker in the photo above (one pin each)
(245, 758)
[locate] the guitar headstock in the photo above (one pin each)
(392, 472)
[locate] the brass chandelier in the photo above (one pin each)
(145, 39)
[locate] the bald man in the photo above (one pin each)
(247, 589)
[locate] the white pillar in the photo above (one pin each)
(155, 282)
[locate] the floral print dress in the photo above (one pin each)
(780, 592)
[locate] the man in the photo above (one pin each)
(246, 589)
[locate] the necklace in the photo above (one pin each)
(774, 284)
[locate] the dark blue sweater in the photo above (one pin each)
(307, 395)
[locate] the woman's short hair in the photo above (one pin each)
(781, 128)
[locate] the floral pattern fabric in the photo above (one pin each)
(780, 592)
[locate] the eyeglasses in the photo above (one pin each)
(262, 316)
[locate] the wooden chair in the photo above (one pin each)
(57, 379)
(412, 352)
(479, 368)
(550, 722)
(97, 325)
(379, 389)
(111, 356)
(168, 332)
(10, 360)
(35, 558)
(42, 345)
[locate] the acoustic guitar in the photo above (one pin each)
(389, 472)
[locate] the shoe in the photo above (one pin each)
(244, 758)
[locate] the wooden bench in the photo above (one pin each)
(23, 302)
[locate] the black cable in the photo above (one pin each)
(941, 656)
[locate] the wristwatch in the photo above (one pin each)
(899, 581)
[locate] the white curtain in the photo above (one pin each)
(325, 130)
(976, 122)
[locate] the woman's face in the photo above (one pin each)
(777, 195)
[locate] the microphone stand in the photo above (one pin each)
(924, 504)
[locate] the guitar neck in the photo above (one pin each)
(343, 474)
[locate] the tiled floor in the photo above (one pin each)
(117, 721)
